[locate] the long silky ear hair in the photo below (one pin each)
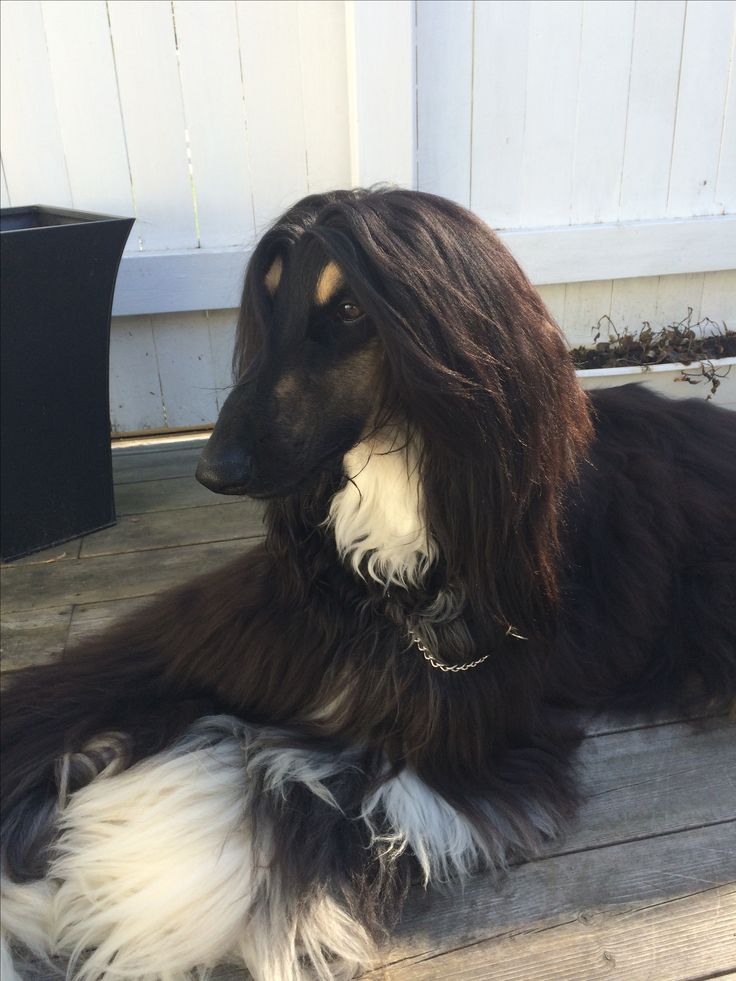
(477, 366)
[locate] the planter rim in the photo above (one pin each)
(76, 217)
(643, 369)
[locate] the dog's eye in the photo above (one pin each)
(349, 313)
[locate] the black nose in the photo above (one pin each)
(224, 472)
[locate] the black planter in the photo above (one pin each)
(58, 276)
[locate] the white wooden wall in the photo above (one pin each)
(599, 134)
(204, 119)
(552, 113)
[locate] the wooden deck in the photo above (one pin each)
(644, 887)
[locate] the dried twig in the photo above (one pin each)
(682, 342)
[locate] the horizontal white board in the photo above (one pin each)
(211, 279)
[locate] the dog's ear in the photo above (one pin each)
(479, 368)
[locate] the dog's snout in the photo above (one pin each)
(224, 472)
(226, 463)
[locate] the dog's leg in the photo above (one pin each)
(233, 844)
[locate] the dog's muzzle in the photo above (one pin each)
(224, 473)
(226, 464)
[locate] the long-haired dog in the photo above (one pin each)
(461, 546)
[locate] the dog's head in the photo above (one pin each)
(308, 364)
(392, 321)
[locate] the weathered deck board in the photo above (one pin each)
(653, 781)
(663, 941)
(174, 493)
(640, 889)
(540, 896)
(107, 577)
(30, 637)
(163, 529)
(133, 467)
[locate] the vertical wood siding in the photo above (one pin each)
(657, 300)
(578, 111)
(203, 118)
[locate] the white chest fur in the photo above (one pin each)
(379, 514)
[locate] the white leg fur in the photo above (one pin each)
(405, 814)
(156, 867)
(7, 966)
(26, 910)
(157, 872)
(445, 842)
(379, 514)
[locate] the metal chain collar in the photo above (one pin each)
(440, 665)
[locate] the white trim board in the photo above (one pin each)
(174, 281)
(211, 279)
(625, 250)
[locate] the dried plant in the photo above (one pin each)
(679, 343)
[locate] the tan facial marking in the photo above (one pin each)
(273, 276)
(329, 280)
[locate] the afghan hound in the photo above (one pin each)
(462, 547)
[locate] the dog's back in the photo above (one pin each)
(650, 596)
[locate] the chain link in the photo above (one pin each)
(440, 665)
